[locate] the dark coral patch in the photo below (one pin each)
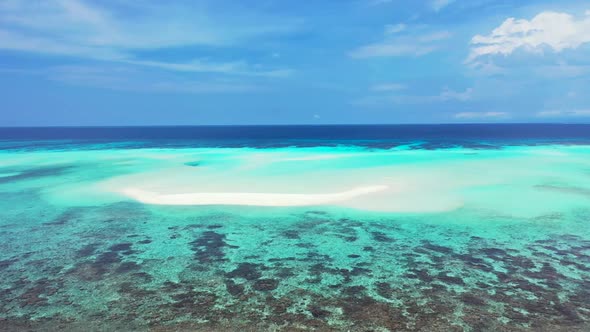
(60, 220)
(127, 267)
(265, 285)
(169, 286)
(233, 288)
(142, 276)
(433, 247)
(121, 246)
(291, 235)
(285, 272)
(38, 292)
(372, 313)
(209, 247)
(109, 257)
(87, 250)
(381, 237)
(354, 291)
(493, 252)
(420, 274)
(471, 299)
(384, 289)
(474, 262)
(4, 264)
(450, 279)
(246, 271)
(318, 312)
(195, 303)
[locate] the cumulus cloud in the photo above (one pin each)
(481, 115)
(552, 30)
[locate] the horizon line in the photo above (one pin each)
(296, 125)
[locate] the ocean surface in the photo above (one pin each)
(295, 228)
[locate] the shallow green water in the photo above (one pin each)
(461, 240)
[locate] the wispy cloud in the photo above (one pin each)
(379, 2)
(125, 79)
(437, 5)
(388, 87)
(548, 30)
(481, 115)
(391, 29)
(562, 114)
(200, 66)
(409, 44)
(448, 94)
(391, 95)
(88, 30)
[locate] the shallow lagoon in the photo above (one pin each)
(487, 238)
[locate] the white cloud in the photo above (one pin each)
(90, 30)
(391, 97)
(557, 113)
(391, 29)
(126, 79)
(17, 41)
(387, 49)
(553, 30)
(481, 115)
(388, 87)
(435, 36)
(407, 45)
(448, 94)
(379, 2)
(238, 67)
(437, 5)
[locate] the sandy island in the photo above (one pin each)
(253, 199)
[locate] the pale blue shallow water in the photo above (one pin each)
(514, 255)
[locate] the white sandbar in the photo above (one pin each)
(252, 199)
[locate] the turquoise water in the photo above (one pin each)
(461, 239)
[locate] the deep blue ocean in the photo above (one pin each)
(375, 136)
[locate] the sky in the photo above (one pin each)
(192, 62)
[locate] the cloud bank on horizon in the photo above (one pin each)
(118, 62)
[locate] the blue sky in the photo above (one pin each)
(126, 62)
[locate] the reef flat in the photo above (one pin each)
(460, 238)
